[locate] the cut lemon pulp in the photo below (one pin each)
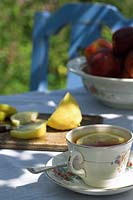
(67, 114)
(22, 118)
(29, 131)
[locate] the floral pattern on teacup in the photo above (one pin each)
(130, 165)
(120, 160)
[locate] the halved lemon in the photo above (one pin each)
(9, 110)
(22, 118)
(29, 131)
(67, 114)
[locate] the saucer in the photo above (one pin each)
(63, 177)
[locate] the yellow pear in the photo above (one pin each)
(67, 114)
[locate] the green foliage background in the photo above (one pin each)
(16, 42)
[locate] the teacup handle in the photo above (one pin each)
(76, 156)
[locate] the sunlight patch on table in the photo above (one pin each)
(52, 104)
(111, 116)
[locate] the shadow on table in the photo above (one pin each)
(46, 189)
(12, 167)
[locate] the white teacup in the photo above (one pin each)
(99, 164)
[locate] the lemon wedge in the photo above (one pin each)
(22, 118)
(9, 110)
(29, 131)
(67, 114)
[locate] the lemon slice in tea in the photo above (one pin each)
(67, 114)
(100, 139)
(29, 131)
(9, 110)
(22, 118)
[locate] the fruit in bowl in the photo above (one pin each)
(106, 74)
(104, 63)
(122, 41)
(112, 59)
(98, 44)
(129, 64)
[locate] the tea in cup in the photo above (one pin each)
(99, 153)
